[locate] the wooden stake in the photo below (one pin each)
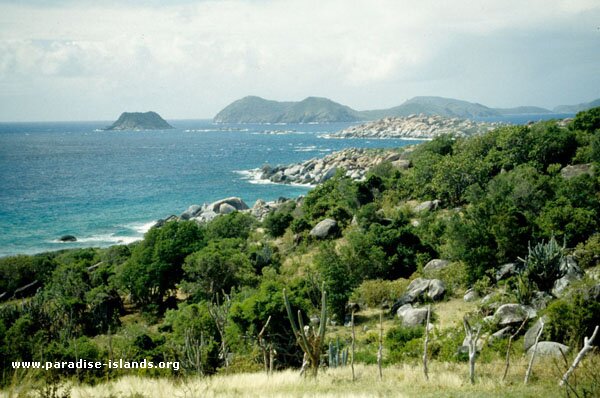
(425, 370)
(380, 351)
(510, 340)
(472, 341)
(353, 343)
(535, 346)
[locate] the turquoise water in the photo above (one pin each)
(107, 187)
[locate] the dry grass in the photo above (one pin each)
(399, 381)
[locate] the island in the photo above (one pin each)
(253, 109)
(140, 121)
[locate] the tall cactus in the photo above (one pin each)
(309, 340)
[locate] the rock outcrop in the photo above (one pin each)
(414, 126)
(412, 317)
(355, 161)
(508, 314)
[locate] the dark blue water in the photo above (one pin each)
(107, 187)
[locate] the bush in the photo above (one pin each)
(588, 253)
(404, 342)
(573, 317)
(232, 225)
(277, 222)
(375, 292)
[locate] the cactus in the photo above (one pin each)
(309, 340)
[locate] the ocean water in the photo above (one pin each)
(109, 187)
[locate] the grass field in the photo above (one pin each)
(446, 380)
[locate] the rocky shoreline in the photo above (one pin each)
(355, 161)
(414, 126)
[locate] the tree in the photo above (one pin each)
(155, 264)
(218, 267)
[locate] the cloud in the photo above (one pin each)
(192, 58)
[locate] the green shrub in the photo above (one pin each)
(374, 292)
(588, 253)
(404, 342)
(277, 222)
(573, 317)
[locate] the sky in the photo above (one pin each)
(92, 60)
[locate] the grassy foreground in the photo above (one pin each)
(446, 380)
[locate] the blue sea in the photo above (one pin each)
(109, 187)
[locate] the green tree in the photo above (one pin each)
(155, 266)
(220, 266)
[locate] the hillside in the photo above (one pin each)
(523, 110)
(577, 108)
(140, 121)
(312, 109)
(439, 106)
(254, 109)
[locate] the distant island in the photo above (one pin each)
(140, 121)
(310, 110)
(254, 109)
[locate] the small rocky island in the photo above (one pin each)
(140, 121)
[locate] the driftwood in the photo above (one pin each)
(425, 370)
(535, 346)
(472, 338)
(510, 340)
(587, 347)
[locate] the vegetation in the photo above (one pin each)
(202, 294)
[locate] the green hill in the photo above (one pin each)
(254, 109)
(440, 106)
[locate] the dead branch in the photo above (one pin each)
(587, 347)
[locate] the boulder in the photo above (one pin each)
(324, 229)
(419, 288)
(328, 174)
(550, 349)
(402, 310)
(508, 314)
(436, 290)
(226, 208)
(428, 205)
(531, 334)
(414, 317)
(191, 212)
(436, 264)
(572, 171)
(501, 334)
(506, 271)
(401, 164)
(233, 201)
(471, 295)
(67, 238)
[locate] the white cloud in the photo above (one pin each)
(189, 59)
